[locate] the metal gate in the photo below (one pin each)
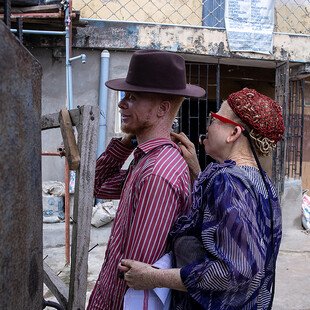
(194, 111)
(287, 157)
(294, 128)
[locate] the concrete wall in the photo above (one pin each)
(85, 92)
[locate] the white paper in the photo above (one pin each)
(157, 299)
(249, 25)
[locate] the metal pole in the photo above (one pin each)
(41, 32)
(7, 13)
(68, 62)
(218, 81)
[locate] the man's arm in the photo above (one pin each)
(109, 177)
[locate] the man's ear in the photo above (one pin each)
(163, 108)
(234, 135)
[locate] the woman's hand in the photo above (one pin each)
(189, 153)
(139, 276)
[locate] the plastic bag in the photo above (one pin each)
(55, 188)
(103, 213)
(305, 216)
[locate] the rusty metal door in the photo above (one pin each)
(21, 267)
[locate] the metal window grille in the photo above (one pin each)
(213, 13)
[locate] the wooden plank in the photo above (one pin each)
(35, 15)
(72, 152)
(83, 205)
(59, 289)
(49, 121)
(41, 8)
(37, 8)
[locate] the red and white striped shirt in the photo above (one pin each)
(153, 193)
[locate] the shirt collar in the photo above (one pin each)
(150, 145)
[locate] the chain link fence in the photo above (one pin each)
(291, 16)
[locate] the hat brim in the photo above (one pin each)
(189, 91)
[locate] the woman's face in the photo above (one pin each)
(215, 143)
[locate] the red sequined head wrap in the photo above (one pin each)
(259, 112)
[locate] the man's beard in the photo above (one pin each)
(136, 129)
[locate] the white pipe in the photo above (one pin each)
(56, 33)
(69, 104)
(103, 99)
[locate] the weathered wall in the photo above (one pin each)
(198, 41)
(21, 269)
(193, 40)
(85, 91)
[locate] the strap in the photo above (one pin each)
(272, 258)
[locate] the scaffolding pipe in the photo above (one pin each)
(68, 62)
(103, 99)
(44, 32)
(69, 105)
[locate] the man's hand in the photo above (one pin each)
(139, 276)
(188, 152)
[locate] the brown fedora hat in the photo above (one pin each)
(156, 71)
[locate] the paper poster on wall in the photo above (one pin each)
(249, 25)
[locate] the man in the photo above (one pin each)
(155, 189)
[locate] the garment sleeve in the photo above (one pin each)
(109, 177)
(231, 237)
(155, 211)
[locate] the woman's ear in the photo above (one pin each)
(163, 108)
(234, 135)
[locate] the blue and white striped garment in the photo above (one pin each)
(230, 214)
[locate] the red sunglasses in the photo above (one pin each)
(222, 119)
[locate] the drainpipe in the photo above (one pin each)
(103, 99)
(68, 62)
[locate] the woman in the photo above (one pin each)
(226, 247)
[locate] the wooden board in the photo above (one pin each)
(56, 285)
(83, 206)
(71, 149)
